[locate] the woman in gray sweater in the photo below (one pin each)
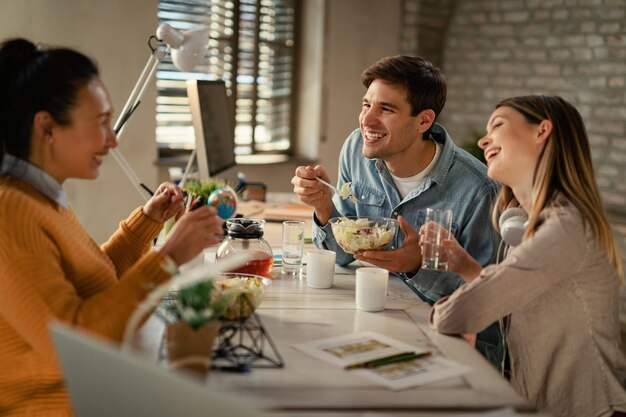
(558, 289)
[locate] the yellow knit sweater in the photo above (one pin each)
(50, 269)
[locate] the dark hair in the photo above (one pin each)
(425, 83)
(34, 79)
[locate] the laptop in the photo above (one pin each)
(105, 382)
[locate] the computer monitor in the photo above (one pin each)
(214, 126)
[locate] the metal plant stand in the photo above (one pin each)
(241, 345)
(245, 343)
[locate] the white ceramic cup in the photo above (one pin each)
(371, 288)
(320, 268)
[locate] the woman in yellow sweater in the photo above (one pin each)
(55, 124)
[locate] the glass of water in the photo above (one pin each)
(293, 244)
(437, 229)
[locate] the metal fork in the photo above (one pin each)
(332, 187)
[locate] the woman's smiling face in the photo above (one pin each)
(79, 148)
(511, 147)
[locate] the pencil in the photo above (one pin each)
(400, 357)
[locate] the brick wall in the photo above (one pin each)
(424, 27)
(574, 48)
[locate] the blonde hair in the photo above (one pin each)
(564, 167)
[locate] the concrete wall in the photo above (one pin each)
(358, 33)
(114, 33)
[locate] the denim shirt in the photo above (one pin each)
(458, 182)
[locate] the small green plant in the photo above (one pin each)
(206, 187)
(195, 189)
(196, 305)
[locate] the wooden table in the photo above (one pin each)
(291, 312)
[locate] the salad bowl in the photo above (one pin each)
(243, 293)
(357, 234)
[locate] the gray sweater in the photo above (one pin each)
(561, 293)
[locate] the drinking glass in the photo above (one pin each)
(436, 230)
(293, 244)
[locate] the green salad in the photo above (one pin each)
(242, 294)
(355, 235)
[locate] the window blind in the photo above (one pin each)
(251, 47)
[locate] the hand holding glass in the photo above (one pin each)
(436, 230)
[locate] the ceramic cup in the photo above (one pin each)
(320, 268)
(371, 288)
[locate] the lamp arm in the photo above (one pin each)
(138, 91)
(183, 180)
(132, 176)
(131, 104)
(187, 48)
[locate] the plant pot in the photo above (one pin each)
(191, 349)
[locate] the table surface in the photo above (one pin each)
(292, 312)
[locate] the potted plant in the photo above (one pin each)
(193, 316)
(206, 187)
(197, 191)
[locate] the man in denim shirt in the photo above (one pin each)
(399, 163)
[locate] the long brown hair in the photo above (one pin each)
(564, 167)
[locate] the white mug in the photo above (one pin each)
(371, 288)
(320, 268)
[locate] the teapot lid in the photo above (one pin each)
(245, 228)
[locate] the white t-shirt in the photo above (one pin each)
(405, 185)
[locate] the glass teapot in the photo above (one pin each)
(246, 235)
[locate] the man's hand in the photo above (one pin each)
(166, 202)
(407, 258)
(312, 192)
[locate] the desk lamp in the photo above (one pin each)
(186, 49)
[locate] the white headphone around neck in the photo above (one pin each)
(513, 222)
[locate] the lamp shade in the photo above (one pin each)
(187, 47)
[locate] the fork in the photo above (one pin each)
(332, 187)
